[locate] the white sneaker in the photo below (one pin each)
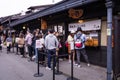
(48, 68)
(55, 67)
(69, 61)
(79, 66)
(76, 64)
(33, 57)
(88, 65)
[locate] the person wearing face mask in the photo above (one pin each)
(80, 47)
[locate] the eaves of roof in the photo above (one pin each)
(4, 19)
(61, 6)
(41, 6)
(10, 17)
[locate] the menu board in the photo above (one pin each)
(86, 26)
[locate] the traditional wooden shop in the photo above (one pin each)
(90, 15)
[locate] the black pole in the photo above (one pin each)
(9, 25)
(72, 66)
(54, 67)
(38, 63)
(13, 47)
(38, 74)
(57, 71)
(71, 78)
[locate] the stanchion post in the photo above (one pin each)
(38, 63)
(13, 47)
(58, 66)
(71, 77)
(38, 74)
(57, 70)
(54, 67)
(72, 66)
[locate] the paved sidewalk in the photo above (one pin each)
(13, 67)
(84, 73)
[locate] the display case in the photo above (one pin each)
(92, 39)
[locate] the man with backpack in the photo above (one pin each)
(80, 39)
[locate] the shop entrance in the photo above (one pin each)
(116, 49)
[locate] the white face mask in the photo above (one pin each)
(79, 32)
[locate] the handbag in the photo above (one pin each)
(66, 44)
(60, 46)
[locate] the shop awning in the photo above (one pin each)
(61, 6)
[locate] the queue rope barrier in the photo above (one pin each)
(38, 74)
(72, 69)
(57, 57)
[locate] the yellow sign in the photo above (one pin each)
(75, 13)
(43, 24)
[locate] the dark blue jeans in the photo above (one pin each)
(16, 48)
(9, 47)
(50, 53)
(30, 51)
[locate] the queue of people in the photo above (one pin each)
(50, 44)
(25, 45)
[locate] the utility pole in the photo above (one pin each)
(109, 5)
(9, 24)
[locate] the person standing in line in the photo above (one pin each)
(13, 42)
(41, 49)
(70, 39)
(21, 43)
(33, 43)
(26, 47)
(59, 45)
(35, 35)
(16, 43)
(51, 44)
(9, 42)
(0, 43)
(80, 50)
(28, 40)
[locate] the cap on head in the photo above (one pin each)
(72, 31)
(79, 29)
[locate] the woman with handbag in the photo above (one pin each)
(21, 43)
(70, 39)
